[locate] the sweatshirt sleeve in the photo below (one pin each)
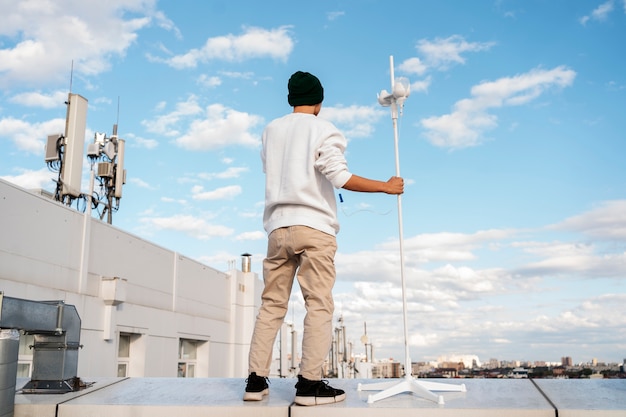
(331, 161)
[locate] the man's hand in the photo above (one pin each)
(395, 185)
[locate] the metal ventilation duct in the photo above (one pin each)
(56, 329)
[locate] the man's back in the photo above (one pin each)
(303, 162)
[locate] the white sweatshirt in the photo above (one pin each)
(303, 160)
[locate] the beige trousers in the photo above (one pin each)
(311, 254)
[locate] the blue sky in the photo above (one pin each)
(511, 144)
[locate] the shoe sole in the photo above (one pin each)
(319, 400)
(255, 396)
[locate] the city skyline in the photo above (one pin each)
(511, 145)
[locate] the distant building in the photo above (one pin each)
(422, 368)
(492, 364)
(519, 373)
(387, 369)
(450, 369)
(567, 361)
(470, 361)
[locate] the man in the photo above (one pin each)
(303, 160)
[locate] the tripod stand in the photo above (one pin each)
(400, 90)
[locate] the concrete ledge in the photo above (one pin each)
(166, 397)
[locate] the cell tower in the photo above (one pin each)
(64, 154)
(108, 152)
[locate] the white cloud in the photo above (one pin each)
(595, 310)
(174, 200)
(209, 81)
(190, 225)
(135, 141)
(246, 75)
(258, 235)
(222, 193)
(465, 126)
(456, 301)
(442, 53)
(472, 308)
(606, 221)
(601, 12)
(30, 137)
(413, 66)
(447, 246)
(141, 183)
(145, 143)
(367, 265)
(598, 256)
(334, 15)
(164, 22)
(521, 88)
(230, 172)
(253, 43)
(438, 321)
(48, 39)
(38, 99)
(32, 180)
(463, 280)
(448, 284)
(355, 121)
(221, 127)
(438, 54)
(416, 66)
(167, 124)
(573, 258)
(476, 306)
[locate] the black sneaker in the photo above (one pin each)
(256, 387)
(317, 392)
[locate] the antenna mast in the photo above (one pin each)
(71, 76)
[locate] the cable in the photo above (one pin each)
(368, 210)
(361, 210)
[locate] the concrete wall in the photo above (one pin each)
(121, 283)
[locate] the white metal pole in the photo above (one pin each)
(420, 388)
(394, 116)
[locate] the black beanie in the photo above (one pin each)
(304, 89)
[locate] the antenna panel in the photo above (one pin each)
(75, 125)
(52, 153)
(105, 169)
(120, 177)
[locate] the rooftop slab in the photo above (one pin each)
(586, 397)
(188, 397)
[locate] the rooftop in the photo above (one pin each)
(189, 397)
